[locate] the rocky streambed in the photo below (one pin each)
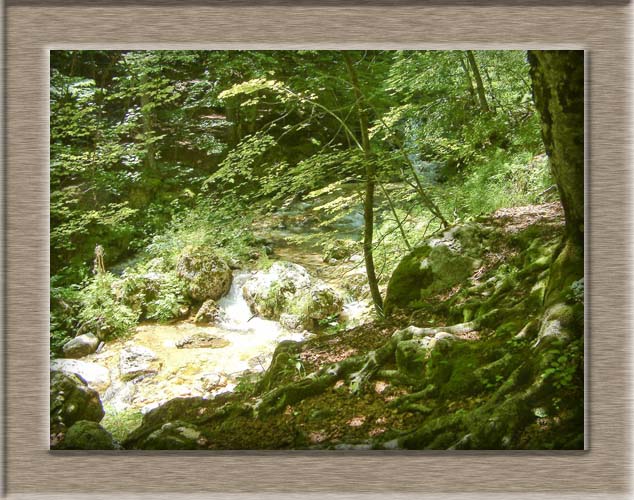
(163, 361)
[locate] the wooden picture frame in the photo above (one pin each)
(33, 27)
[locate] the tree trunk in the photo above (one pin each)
(557, 77)
(148, 125)
(472, 91)
(484, 105)
(368, 203)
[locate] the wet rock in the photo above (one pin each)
(202, 340)
(259, 363)
(207, 275)
(183, 312)
(212, 381)
(96, 376)
(81, 346)
(136, 360)
(208, 314)
(88, 435)
(120, 395)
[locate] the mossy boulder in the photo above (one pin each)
(206, 275)
(175, 435)
(316, 303)
(287, 289)
(144, 292)
(88, 435)
(193, 410)
(439, 264)
(71, 400)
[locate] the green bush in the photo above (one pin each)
(64, 307)
(101, 312)
(211, 224)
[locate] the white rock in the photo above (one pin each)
(96, 376)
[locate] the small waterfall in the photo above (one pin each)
(235, 310)
(237, 316)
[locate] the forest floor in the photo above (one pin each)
(300, 404)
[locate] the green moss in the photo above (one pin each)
(121, 423)
(407, 280)
(88, 435)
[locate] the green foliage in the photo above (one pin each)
(121, 423)
(565, 366)
(64, 307)
(152, 151)
(212, 224)
(499, 181)
(576, 292)
(101, 312)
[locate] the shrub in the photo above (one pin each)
(101, 312)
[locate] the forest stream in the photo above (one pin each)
(241, 342)
(317, 250)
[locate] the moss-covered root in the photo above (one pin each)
(358, 371)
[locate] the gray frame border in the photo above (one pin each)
(31, 471)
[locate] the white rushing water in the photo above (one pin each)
(251, 341)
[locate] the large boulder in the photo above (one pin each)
(163, 427)
(438, 265)
(81, 346)
(175, 435)
(96, 376)
(207, 275)
(135, 360)
(88, 435)
(71, 400)
(287, 291)
(268, 293)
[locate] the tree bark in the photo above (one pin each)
(370, 174)
(484, 105)
(148, 126)
(558, 91)
(472, 91)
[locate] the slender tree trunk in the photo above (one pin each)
(472, 92)
(484, 105)
(150, 157)
(558, 91)
(398, 221)
(368, 204)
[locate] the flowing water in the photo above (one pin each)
(248, 341)
(203, 371)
